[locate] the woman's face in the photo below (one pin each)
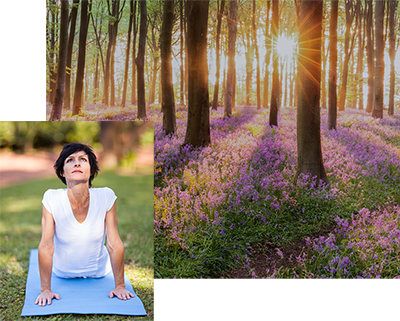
(77, 167)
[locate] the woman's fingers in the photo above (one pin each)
(46, 298)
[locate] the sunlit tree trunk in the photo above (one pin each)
(380, 64)
(218, 59)
(198, 121)
(249, 65)
(181, 35)
(257, 57)
(128, 47)
(77, 105)
(360, 58)
(52, 65)
(370, 56)
(62, 61)
(168, 101)
(273, 115)
(332, 105)
(267, 56)
(135, 27)
(140, 61)
(323, 70)
(392, 53)
(309, 153)
(232, 31)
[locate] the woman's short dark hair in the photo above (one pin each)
(70, 149)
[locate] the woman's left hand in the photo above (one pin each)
(121, 293)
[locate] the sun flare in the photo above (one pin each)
(285, 46)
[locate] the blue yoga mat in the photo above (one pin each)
(80, 296)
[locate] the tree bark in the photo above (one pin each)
(67, 94)
(273, 115)
(380, 64)
(370, 56)
(77, 105)
(332, 106)
(267, 56)
(360, 58)
(232, 31)
(309, 153)
(392, 53)
(198, 123)
(128, 47)
(257, 57)
(135, 25)
(62, 61)
(168, 101)
(140, 61)
(218, 60)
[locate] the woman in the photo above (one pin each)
(74, 225)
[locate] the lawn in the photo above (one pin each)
(220, 209)
(20, 231)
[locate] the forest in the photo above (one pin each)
(114, 53)
(277, 131)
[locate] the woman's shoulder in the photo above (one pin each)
(55, 192)
(102, 191)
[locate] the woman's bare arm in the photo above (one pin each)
(116, 250)
(46, 250)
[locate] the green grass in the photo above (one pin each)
(20, 231)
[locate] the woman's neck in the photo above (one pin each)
(78, 193)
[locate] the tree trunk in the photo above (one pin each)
(52, 76)
(128, 47)
(81, 59)
(323, 70)
(392, 53)
(267, 56)
(67, 94)
(140, 61)
(135, 24)
(198, 122)
(249, 66)
(168, 101)
(62, 61)
(370, 56)
(232, 31)
(218, 60)
(273, 115)
(380, 64)
(347, 52)
(309, 153)
(257, 57)
(332, 111)
(181, 36)
(360, 58)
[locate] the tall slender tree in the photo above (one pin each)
(62, 61)
(267, 55)
(168, 101)
(140, 60)
(218, 60)
(370, 55)
(332, 105)
(273, 113)
(392, 53)
(135, 27)
(128, 47)
(309, 151)
(198, 121)
(258, 84)
(232, 31)
(380, 63)
(81, 59)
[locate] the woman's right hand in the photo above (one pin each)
(45, 298)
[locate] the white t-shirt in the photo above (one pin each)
(79, 249)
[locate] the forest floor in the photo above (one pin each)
(98, 112)
(231, 209)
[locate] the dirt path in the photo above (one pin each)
(18, 168)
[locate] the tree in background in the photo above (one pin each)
(168, 100)
(81, 59)
(232, 30)
(370, 55)
(392, 53)
(198, 123)
(62, 61)
(377, 112)
(273, 113)
(309, 152)
(218, 59)
(332, 105)
(140, 61)
(128, 47)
